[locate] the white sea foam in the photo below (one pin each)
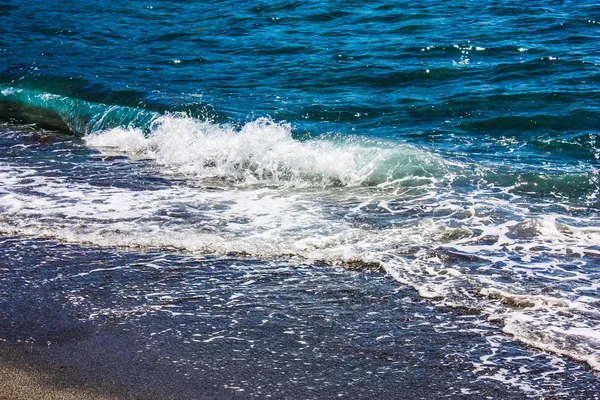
(265, 152)
(582, 344)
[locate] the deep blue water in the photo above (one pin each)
(451, 147)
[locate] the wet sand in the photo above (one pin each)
(22, 384)
(102, 366)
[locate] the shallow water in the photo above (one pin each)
(184, 326)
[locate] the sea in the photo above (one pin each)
(303, 200)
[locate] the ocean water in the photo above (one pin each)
(351, 199)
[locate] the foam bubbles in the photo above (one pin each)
(265, 152)
(120, 139)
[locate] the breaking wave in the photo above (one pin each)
(264, 151)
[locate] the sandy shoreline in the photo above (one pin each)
(105, 364)
(25, 384)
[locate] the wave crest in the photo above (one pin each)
(265, 152)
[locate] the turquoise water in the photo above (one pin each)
(452, 147)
